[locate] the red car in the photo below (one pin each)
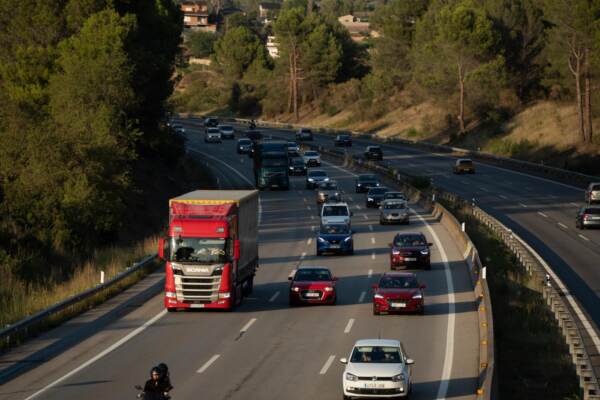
(398, 292)
(410, 250)
(312, 285)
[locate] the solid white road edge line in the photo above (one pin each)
(349, 325)
(208, 363)
(106, 351)
(248, 325)
(542, 214)
(275, 295)
(448, 358)
(327, 364)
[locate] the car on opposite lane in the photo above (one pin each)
(343, 141)
(410, 250)
(312, 158)
(588, 217)
(592, 193)
(463, 166)
(393, 211)
(314, 177)
(244, 146)
(398, 292)
(377, 368)
(328, 192)
(312, 285)
(335, 238)
(304, 134)
(364, 182)
(375, 196)
(335, 213)
(227, 131)
(297, 166)
(373, 153)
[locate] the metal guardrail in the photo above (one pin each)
(23, 327)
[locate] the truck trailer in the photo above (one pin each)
(211, 252)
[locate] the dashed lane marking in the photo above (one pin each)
(208, 363)
(584, 238)
(349, 325)
(275, 295)
(370, 273)
(248, 325)
(542, 214)
(309, 241)
(373, 256)
(327, 364)
(373, 240)
(362, 297)
(563, 225)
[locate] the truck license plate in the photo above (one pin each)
(196, 305)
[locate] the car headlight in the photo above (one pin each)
(425, 252)
(351, 377)
(311, 180)
(322, 240)
(336, 194)
(395, 252)
(377, 184)
(378, 296)
(398, 378)
(295, 289)
(291, 167)
(325, 179)
(418, 296)
(369, 199)
(348, 239)
(328, 289)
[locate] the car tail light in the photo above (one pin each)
(586, 217)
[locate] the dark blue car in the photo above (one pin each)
(335, 238)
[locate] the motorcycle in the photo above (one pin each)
(150, 396)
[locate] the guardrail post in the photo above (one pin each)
(101, 277)
(462, 226)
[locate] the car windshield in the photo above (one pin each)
(328, 186)
(213, 130)
(335, 211)
(376, 355)
(312, 274)
(396, 205)
(197, 250)
(394, 195)
(465, 162)
(335, 229)
(244, 142)
(297, 162)
(409, 240)
(367, 178)
(317, 173)
(398, 282)
(311, 153)
(377, 191)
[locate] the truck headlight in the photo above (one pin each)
(171, 295)
(398, 378)
(322, 240)
(351, 377)
(224, 295)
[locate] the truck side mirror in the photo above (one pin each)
(161, 248)
(236, 249)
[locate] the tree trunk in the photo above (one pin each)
(309, 7)
(291, 85)
(295, 83)
(587, 100)
(461, 106)
(576, 70)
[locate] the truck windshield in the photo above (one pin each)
(200, 250)
(274, 162)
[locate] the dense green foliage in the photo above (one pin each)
(83, 88)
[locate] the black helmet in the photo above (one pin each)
(164, 369)
(155, 370)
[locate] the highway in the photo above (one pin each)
(264, 349)
(539, 210)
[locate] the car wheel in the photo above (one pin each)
(351, 251)
(319, 253)
(407, 222)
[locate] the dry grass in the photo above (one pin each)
(20, 299)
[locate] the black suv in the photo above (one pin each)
(211, 122)
(343, 140)
(366, 181)
(375, 196)
(373, 153)
(410, 250)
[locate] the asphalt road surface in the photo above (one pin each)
(264, 349)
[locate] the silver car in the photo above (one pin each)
(377, 368)
(312, 158)
(227, 131)
(314, 177)
(592, 193)
(393, 211)
(328, 192)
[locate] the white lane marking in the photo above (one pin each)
(370, 273)
(503, 196)
(362, 297)
(302, 255)
(358, 207)
(106, 351)
(327, 365)
(349, 325)
(208, 363)
(308, 208)
(350, 198)
(371, 228)
(340, 169)
(563, 225)
(574, 204)
(447, 369)
(373, 240)
(309, 241)
(365, 216)
(238, 173)
(312, 228)
(484, 189)
(275, 295)
(248, 325)
(523, 205)
(584, 238)
(312, 217)
(373, 256)
(542, 214)
(305, 200)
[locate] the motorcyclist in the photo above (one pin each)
(156, 387)
(165, 377)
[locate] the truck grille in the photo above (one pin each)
(197, 289)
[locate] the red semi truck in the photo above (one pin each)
(211, 251)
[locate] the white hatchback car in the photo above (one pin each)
(377, 368)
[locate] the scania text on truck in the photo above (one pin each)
(211, 251)
(271, 164)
